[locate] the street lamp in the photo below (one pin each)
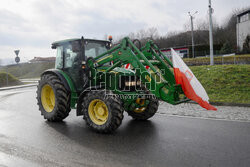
(192, 30)
(211, 33)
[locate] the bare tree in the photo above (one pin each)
(224, 33)
(152, 33)
(201, 24)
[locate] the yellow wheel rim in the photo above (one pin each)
(98, 112)
(48, 98)
(140, 102)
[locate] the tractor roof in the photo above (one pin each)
(65, 41)
(56, 43)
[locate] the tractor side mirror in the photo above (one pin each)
(53, 46)
(108, 45)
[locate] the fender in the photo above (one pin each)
(59, 75)
(67, 82)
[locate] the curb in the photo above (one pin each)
(225, 104)
(17, 87)
(230, 104)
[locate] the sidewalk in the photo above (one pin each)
(194, 110)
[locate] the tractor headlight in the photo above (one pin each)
(130, 83)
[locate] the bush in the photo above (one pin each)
(246, 45)
(226, 48)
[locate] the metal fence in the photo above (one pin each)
(219, 60)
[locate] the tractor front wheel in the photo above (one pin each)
(144, 112)
(102, 111)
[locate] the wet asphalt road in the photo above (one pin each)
(26, 139)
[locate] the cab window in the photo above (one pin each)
(59, 58)
(94, 49)
(72, 54)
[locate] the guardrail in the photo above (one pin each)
(17, 87)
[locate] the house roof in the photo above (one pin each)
(244, 12)
(39, 59)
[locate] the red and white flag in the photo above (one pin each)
(128, 66)
(190, 85)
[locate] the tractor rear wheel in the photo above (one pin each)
(102, 113)
(144, 112)
(52, 98)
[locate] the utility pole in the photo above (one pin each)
(192, 30)
(7, 76)
(211, 33)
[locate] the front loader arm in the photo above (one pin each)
(158, 78)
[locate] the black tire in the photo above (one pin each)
(62, 98)
(114, 109)
(149, 112)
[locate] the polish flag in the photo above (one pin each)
(128, 66)
(190, 85)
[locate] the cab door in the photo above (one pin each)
(72, 62)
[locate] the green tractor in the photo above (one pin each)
(91, 77)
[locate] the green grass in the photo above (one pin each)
(225, 83)
(11, 80)
(28, 70)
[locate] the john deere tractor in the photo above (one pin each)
(93, 77)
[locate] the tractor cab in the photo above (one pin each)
(72, 54)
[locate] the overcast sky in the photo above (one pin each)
(32, 25)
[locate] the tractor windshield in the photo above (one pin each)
(94, 49)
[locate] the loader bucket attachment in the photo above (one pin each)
(153, 68)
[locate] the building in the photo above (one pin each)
(42, 59)
(242, 28)
(182, 51)
(201, 50)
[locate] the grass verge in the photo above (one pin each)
(225, 83)
(11, 80)
(28, 70)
